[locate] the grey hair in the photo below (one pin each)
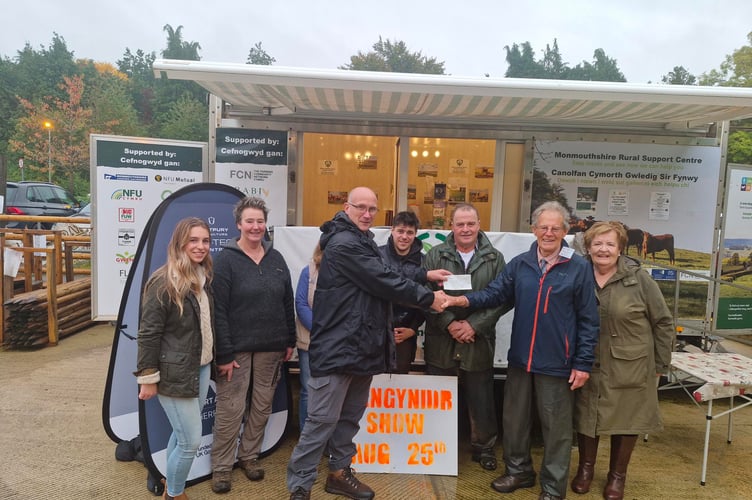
(553, 206)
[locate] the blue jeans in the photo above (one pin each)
(305, 374)
(184, 415)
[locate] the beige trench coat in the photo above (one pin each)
(635, 344)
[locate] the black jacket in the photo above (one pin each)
(254, 304)
(410, 266)
(351, 331)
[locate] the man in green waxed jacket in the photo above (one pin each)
(460, 342)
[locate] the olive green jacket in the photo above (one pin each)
(635, 345)
(440, 349)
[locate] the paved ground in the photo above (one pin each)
(53, 446)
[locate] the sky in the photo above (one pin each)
(648, 38)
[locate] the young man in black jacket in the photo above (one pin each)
(404, 254)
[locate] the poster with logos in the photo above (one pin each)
(734, 310)
(130, 178)
(665, 194)
(255, 163)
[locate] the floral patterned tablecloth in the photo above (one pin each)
(725, 374)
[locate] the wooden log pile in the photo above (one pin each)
(26, 314)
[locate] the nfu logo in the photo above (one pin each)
(124, 258)
(127, 194)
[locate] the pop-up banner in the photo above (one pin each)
(124, 415)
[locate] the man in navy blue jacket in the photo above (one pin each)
(554, 333)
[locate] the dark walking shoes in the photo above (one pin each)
(343, 482)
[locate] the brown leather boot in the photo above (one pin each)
(621, 451)
(343, 482)
(588, 450)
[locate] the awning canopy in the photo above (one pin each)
(501, 102)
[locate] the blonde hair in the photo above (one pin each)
(317, 255)
(180, 274)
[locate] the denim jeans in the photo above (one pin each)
(305, 374)
(184, 415)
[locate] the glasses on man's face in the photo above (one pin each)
(364, 208)
(553, 229)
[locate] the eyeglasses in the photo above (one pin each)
(363, 208)
(553, 229)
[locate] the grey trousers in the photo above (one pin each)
(336, 404)
(554, 401)
(264, 369)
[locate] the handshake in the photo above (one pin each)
(441, 301)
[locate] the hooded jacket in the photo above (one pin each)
(555, 327)
(409, 266)
(253, 303)
(635, 344)
(351, 331)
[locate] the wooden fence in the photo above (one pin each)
(30, 303)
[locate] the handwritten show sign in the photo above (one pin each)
(409, 426)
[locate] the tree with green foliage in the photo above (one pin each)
(140, 77)
(739, 147)
(522, 63)
(159, 100)
(32, 74)
(187, 119)
(177, 48)
(602, 69)
(679, 76)
(66, 145)
(544, 190)
(735, 71)
(394, 57)
(108, 96)
(258, 55)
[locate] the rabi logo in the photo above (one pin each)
(124, 258)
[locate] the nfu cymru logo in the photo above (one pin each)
(127, 194)
(124, 258)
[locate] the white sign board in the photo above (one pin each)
(130, 178)
(409, 426)
(255, 163)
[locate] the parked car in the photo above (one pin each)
(38, 198)
(76, 229)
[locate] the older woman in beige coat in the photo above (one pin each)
(634, 348)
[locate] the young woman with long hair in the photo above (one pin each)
(175, 344)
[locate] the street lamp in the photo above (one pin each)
(48, 126)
